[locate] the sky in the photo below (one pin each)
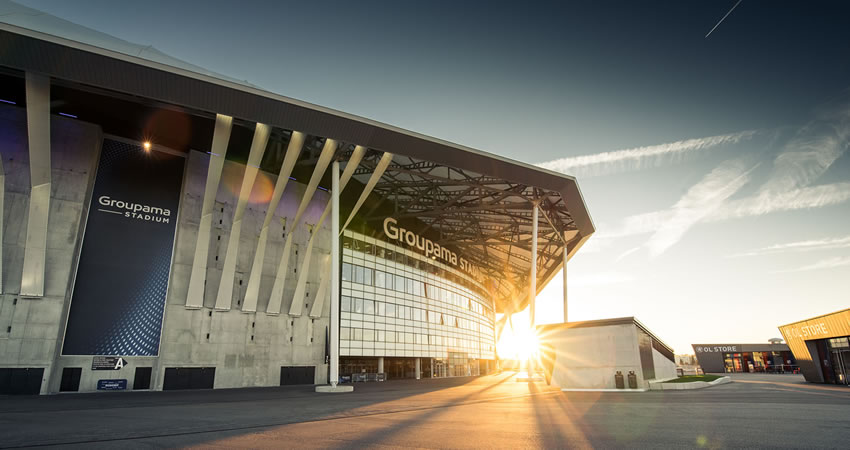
(716, 169)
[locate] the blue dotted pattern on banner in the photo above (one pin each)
(122, 281)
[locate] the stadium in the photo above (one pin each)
(166, 227)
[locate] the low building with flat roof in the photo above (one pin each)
(731, 358)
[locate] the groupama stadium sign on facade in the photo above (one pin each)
(429, 247)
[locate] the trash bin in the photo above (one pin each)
(632, 380)
(618, 380)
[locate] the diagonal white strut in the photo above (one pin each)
(373, 180)
(252, 293)
(198, 278)
(283, 266)
(228, 272)
(301, 286)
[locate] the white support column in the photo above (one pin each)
(380, 364)
(304, 272)
(283, 266)
(373, 180)
(38, 133)
(334, 334)
(198, 278)
(228, 272)
(418, 368)
(566, 256)
(532, 286)
(252, 293)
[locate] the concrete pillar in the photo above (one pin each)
(228, 272)
(325, 157)
(380, 364)
(418, 368)
(218, 152)
(566, 254)
(38, 133)
(532, 286)
(334, 333)
(252, 293)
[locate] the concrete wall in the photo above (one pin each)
(247, 349)
(30, 328)
(588, 358)
(664, 368)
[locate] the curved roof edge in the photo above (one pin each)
(66, 59)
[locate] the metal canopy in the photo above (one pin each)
(486, 219)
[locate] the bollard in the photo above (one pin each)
(618, 380)
(632, 380)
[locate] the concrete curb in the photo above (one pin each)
(661, 385)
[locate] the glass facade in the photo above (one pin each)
(768, 362)
(398, 303)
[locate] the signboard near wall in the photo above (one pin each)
(119, 293)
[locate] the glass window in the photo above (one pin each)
(369, 335)
(357, 334)
(345, 333)
(417, 314)
(390, 336)
(381, 308)
(346, 272)
(367, 276)
(390, 310)
(408, 338)
(399, 283)
(358, 274)
(380, 335)
(346, 303)
(346, 242)
(408, 286)
(358, 305)
(379, 278)
(368, 307)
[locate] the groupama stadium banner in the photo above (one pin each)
(119, 293)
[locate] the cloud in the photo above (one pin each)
(640, 157)
(803, 159)
(600, 279)
(626, 253)
(803, 198)
(830, 263)
(701, 200)
(801, 246)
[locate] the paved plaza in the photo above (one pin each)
(492, 411)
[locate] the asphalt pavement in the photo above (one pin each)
(776, 411)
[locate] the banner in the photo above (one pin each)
(122, 278)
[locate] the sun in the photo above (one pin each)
(519, 343)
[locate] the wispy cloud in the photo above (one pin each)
(801, 246)
(640, 157)
(830, 263)
(600, 278)
(701, 200)
(796, 199)
(803, 159)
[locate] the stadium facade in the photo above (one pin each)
(165, 227)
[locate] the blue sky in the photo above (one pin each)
(716, 169)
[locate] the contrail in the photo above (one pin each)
(724, 17)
